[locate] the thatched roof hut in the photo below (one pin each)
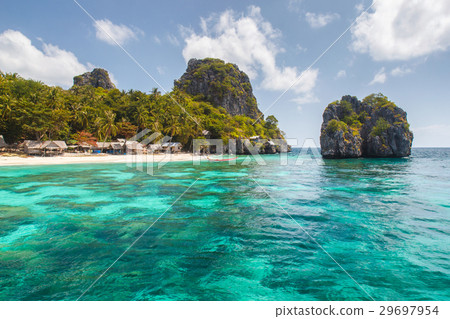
(46, 147)
(173, 147)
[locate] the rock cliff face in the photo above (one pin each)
(374, 127)
(96, 78)
(221, 84)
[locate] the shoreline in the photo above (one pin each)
(95, 159)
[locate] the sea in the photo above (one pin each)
(271, 228)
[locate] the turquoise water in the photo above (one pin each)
(385, 221)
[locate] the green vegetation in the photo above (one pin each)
(335, 125)
(227, 80)
(381, 127)
(32, 110)
(353, 120)
(378, 101)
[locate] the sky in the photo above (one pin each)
(299, 54)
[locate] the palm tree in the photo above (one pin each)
(156, 93)
(173, 127)
(106, 125)
(141, 116)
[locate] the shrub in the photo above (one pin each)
(335, 125)
(380, 127)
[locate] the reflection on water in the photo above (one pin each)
(386, 221)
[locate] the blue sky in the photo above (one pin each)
(399, 48)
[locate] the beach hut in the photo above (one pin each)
(114, 148)
(84, 147)
(133, 147)
(172, 147)
(154, 148)
(117, 147)
(44, 148)
(53, 147)
(32, 147)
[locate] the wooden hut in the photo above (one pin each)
(134, 147)
(54, 147)
(44, 148)
(172, 147)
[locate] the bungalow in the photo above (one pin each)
(54, 147)
(134, 147)
(44, 148)
(80, 148)
(172, 147)
(154, 148)
(109, 147)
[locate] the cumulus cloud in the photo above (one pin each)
(318, 20)
(51, 65)
(250, 42)
(403, 29)
(107, 31)
(400, 71)
(380, 77)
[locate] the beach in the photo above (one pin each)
(92, 159)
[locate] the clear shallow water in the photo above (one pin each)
(386, 221)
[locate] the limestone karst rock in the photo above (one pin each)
(374, 127)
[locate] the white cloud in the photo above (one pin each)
(380, 77)
(157, 40)
(294, 5)
(341, 74)
(173, 40)
(400, 71)
(306, 98)
(250, 42)
(318, 20)
(107, 31)
(403, 29)
(51, 65)
(359, 7)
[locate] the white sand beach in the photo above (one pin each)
(98, 158)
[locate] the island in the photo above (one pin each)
(212, 100)
(373, 127)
